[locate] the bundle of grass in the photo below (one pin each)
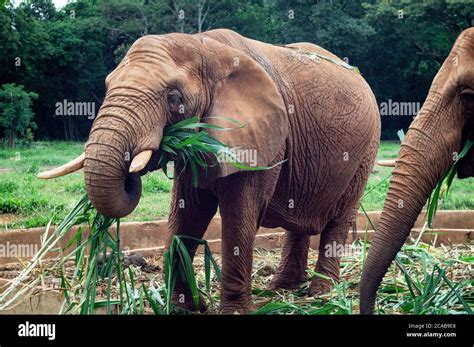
(181, 142)
(429, 280)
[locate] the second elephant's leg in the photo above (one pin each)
(294, 261)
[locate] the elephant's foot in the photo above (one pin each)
(183, 299)
(282, 281)
(235, 308)
(319, 286)
(236, 304)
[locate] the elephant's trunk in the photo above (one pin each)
(117, 136)
(426, 153)
(111, 189)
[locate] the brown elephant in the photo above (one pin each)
(439, 131)
(307, 109)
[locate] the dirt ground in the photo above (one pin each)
(149, 271)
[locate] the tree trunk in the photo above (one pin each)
(11, 139)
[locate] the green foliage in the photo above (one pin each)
(50, 50)
(178, 266)
(428, 291)
(20, 190)
(183, 144)
(22, 196)
(16, 116)
(155, 183)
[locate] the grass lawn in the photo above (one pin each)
(26, 201)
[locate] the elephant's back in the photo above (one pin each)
(334, 124)
(311, 47)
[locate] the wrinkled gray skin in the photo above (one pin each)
(318, 116)
(438, 132)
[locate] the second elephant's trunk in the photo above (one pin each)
(426, 153)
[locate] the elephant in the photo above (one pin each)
(439, 131)
(302, 108)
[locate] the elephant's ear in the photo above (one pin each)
(245, 93)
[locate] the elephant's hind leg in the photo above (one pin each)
(334, 235)
(332, 238)
(294, 261)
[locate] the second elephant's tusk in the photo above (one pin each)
(388, 163)
(140, 161)
(72, 166)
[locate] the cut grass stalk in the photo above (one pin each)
(178, 265)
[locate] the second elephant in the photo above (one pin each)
(439, 132)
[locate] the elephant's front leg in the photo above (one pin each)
(242, 204)
(191, 212)
(238, 234)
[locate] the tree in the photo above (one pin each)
(16, 115)
(65, 54)
(411, 42)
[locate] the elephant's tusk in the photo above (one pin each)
(72, 166)
(140, 161)
(388, 163)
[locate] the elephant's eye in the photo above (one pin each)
(467, 94)
(175, 102)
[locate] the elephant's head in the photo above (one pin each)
(162, 80)
(438, 132)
